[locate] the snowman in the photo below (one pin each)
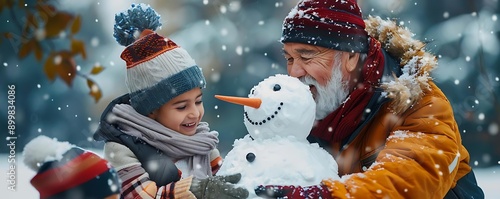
(278, 114)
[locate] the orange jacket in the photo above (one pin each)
(412, 147)
(422, 158)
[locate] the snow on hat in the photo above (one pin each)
(66, 171)
(157, 68)
(334, 24)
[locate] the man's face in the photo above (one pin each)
(303, 59)
(321, 69)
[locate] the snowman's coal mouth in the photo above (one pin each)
(269, 118)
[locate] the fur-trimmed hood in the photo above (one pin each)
(415, 62)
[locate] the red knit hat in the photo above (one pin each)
(334, 24)
(66, 171)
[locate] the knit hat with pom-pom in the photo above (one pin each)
(66, 171)
(331, 24)
(157, 68)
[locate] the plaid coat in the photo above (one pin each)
(136, 182)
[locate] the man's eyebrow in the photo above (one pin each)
(301, 51)
(306, 51)
(284, 52)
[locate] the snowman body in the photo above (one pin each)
(278, 161)
(276, 152)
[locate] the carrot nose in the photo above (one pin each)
(251, 102)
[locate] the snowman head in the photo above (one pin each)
(279, 105)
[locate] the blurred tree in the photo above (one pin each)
(39, 45)
(41, 25)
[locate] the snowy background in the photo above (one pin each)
(236, 44)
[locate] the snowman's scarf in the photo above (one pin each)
(342, 122)
(174, 144)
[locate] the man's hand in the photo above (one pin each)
(218, 187)
(293, 192)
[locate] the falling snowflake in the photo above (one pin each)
(239, 50)
(223, 9)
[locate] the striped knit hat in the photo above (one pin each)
(157, 68)
(66, 171)
(334, 24)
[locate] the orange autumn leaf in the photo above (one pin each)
(96, 69)
(61, 64)
(45, 11)
(20, 3)
(78, 47)
(67, 67)
(6, 3)
(38, 51)
(57, 23)
(31, 22)
(31, 45)
(26, 48)
(8, 35)
(77, 23)
(95, 91)
(50, 66)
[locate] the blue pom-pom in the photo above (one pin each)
(129, 24)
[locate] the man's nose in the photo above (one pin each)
(296, 70)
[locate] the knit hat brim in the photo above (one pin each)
(331, 24)
(310, 32)
(147, 100)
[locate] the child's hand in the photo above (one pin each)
(218, 187)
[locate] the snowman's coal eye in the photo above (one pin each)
(250, 157)
(276, 87)
(252, 91)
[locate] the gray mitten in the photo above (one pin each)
(218, 187)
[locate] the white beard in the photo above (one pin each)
(328, 98)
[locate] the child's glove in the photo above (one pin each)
(293, 192)
(218, 187)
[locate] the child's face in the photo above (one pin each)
(182, 113)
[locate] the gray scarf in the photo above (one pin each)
(196, 148)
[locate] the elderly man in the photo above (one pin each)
(389, 127)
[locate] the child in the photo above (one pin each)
(66, 171)
(154, 134)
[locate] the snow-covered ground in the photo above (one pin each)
(488, 179)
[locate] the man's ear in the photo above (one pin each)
(352, 61)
